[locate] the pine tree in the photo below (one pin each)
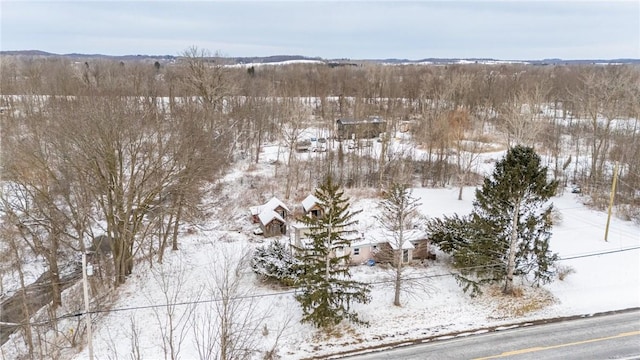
(508, 231)
(510, 208)
(451, 233)
(326, 289)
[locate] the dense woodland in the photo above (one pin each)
(134, 147)
(558, 108)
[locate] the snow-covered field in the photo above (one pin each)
(605, 276)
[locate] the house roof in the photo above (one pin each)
(255, 210)
(361, 242)
(268, 216)
(273, 204)
(369, 120)
(405, 245)
(379, 236)
(309, 202)
(268, 206)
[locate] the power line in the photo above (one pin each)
(295, 290)
(578, 218)
(598, 253)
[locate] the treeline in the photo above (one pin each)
(559, 109)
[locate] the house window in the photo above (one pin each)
(315, 213)
(405, 255)
(356, 251)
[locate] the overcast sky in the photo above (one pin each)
(509, 30)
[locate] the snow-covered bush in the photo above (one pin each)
(274, 262)
(562, 271)
(556, 216)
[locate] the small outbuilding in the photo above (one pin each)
(271, 216)
(311, 206)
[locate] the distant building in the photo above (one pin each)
(360, 129)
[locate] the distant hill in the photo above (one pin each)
(272, 59)
(331, 62)
(27, 53)
(39, 53)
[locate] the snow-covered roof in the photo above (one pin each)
(268, 207)
(369, 120)
(379, 236)
(255, 210)
(415, 235)
(309, 202)
(273, 204)
(268, 215)
(362, 242)
(405, 245)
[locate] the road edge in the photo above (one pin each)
(448, 336)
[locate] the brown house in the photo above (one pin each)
(271, 217)
(415, 246)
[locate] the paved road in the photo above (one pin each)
(615, 336)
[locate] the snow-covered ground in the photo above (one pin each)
(604, 276)
(609, 281)
(437, 305)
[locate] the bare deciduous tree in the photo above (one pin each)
(467, 150)
(229, 327)
(205, 76)
(178, 306)
(523, 116)
(397, 217)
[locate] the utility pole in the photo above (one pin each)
(613, 195)
(87, 315)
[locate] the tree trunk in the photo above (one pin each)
(122, 259)
(54, 274)
(398, 280)
(513, 245)
(176, 225)
(462, 181)
(52, 259)
(259, 140)
(163, 236)
(119, 268)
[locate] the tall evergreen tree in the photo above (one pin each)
(508, 231)
(326, 288)
(510, 208)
